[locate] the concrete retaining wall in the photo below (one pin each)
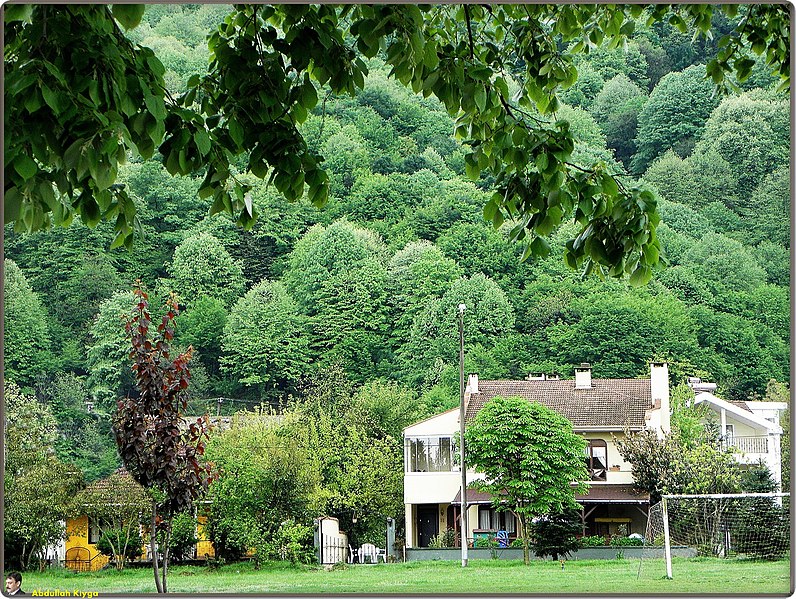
(428, 554)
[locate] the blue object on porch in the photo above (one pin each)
(502, 538)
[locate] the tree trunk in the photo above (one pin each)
(115, 552)
(153, 543)
(166, 542)
(120, 561)
(29, 558)
(526, 554)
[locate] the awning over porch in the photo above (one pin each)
(613, 494)
(596, 494)
(474, 497)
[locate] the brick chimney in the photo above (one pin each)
(583, 376)
(659, 391)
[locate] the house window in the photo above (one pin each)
(597, 459)
(429, 454)
(94, 531)
(484, 518)
(491, 519)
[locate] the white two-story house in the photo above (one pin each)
(750, 428)
(600, 410)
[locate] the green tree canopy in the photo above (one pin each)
(26, 335)
(616, 109)
(416, 274)
(338, 276)
(325, 251)
(202, 327)
(750, 133)
(772, 199)
(673, 116)
(531, 459)
(70, 129)
(667, 465)
(107, 358)
(265, 341)
(620, 333)
(434, 337)
(38, 486)
(265, 477)
(202, 267)
(349, 435)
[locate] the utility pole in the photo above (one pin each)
(462, 308)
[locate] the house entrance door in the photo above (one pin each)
(427, 524)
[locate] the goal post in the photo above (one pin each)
(667, 538)
(731, 525)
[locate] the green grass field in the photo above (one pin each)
(614, 577)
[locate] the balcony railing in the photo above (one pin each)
(746, 444)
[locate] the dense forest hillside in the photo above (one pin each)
(369, 285)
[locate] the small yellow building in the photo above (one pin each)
(83, 532)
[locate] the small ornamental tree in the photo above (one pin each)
(120, 544)
(672, 465)
(159, 448)
(762, 526)
(556, 533)
(532, 460)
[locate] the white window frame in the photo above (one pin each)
(433, 449)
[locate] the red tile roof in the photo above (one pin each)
(742, 405)
(117, 487)
(609, 403)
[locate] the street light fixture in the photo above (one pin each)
(463, 468)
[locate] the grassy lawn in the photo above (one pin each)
(700, 575)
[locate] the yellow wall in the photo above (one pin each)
(204, 548)
(77, 536)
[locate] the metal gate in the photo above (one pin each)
(332, 549)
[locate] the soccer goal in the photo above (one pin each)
(747, 525)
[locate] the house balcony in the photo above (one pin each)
(750, 447)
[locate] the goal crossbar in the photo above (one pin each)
(725, 495)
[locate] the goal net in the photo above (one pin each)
(745, 526)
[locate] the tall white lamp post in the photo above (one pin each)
(462, 308)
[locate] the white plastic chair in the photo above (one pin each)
(368, 550)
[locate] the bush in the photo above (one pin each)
(115, 537)
(593, 541)
(626, 542)
(555, 534)
(444, 539)
(183, 537)
(485, 542)
(292, 542)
